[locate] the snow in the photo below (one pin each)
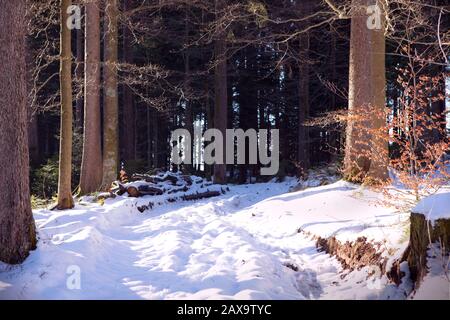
(436, 284)
(436, 206)
(250, 243)
(341, 209)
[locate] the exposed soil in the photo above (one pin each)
(361, 253)
(354, 255)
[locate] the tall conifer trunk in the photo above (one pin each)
(221, 94)
(91, 166)
(129, 113)
(65, 199)
(17, 229)
(111, 105)
(366, 154)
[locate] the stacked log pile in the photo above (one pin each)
(169, 186)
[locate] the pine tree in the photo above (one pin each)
(303, 94)
(366, 152)
(17, 229)
(129, 113)
(91, 166)
(111, 107)
(65, 199)
(220, 88)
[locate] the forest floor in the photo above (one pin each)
(254, 242)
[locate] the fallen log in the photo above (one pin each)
(118, 188)
(176, 190)
(133, 192)
(167, 177)
(188, 180)
(201, 195)
(144, 190)
(175, 185)
(104, 196)
(160, 179)
(142, 177)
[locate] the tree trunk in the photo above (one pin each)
(303, 94)
(366, 154)
(155, 144)
(303, 109)
(91, 166)
(33, 125)
(221, 95)
(437, 107)
(111, 106)
(209, 124)
(33, 137)
(79, 77)
(129, 137)
(65, 199)
(335, 133)
(149, 136)
(188, 116)
(17, 229)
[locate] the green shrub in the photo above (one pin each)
(44, 180)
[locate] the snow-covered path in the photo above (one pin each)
(219, 248)
(182, 250)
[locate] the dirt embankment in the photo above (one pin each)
(361, 253)
(356, 254)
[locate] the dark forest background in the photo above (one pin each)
(287, 68)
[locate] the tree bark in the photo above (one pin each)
(303, 108)
(111, 105)
(221, 95)
(304, 151)
(79, 77)
(188, 116)
(91, 165)
(17, 229)
(209, 124)
(155, 144)
(366, 154)
(33, 136)
(129, 136)
(65, 199)
(335, 134)
(378, 172)
(33, 125)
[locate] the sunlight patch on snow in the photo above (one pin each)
(245, 244)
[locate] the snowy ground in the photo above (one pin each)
(242, 245)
